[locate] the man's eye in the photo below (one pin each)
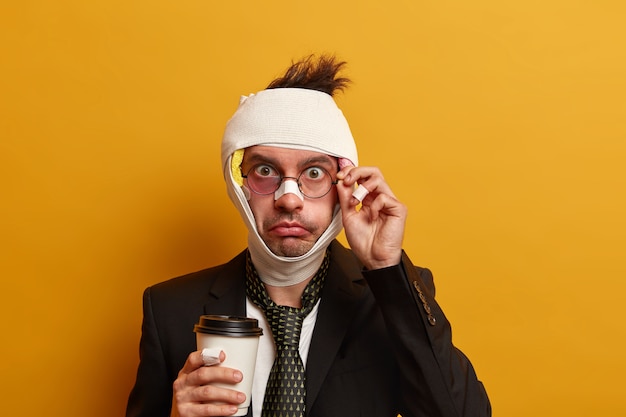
(265, 171)
(314, 173)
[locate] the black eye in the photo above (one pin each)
(265, 171)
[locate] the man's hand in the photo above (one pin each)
(194, 394)
(375, 231)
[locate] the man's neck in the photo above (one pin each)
(290, 296)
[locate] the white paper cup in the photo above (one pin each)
(238, 337)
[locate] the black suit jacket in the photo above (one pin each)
(381, 345)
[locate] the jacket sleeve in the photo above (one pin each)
(152, 394)
(437, 379)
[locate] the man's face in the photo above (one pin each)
(289, 226)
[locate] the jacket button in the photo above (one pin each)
(431, 319)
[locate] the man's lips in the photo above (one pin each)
(288, 230)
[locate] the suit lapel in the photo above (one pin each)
(227, 294)
(341, 295)
(342, 292)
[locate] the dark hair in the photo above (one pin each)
(314, 73)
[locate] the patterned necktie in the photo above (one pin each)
(285, 393)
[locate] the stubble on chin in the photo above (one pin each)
(288, 247)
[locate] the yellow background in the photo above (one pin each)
(501, 124)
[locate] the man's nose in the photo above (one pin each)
(288, 197)
(288, 186)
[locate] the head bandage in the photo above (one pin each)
(291, 118)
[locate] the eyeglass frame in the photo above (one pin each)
(296, 179)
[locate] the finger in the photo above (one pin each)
(346, 201)
(360, 192)
(212, 356)
(369, 177)
(352, 175)
(205, 409)
(193, 362)
(215, 394)
(211, 374)
(200, 387)
(386, 205)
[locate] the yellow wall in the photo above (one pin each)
(500, 123)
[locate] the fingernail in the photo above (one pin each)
(238, 376)
(241, 397)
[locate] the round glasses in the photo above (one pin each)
(313, 182)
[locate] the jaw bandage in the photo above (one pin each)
(292, 118)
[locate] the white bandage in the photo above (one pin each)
(211, 356)
(292, 118)
(288, 186)
(360, 193)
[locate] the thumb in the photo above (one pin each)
(346, 201)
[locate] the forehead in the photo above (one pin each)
(285, 156)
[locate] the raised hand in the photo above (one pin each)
(376, 229)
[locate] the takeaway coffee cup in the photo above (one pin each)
(238, 337)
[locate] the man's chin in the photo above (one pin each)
(290, 248)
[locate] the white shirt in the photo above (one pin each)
(267, 351)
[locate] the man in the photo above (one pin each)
(373, 341)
